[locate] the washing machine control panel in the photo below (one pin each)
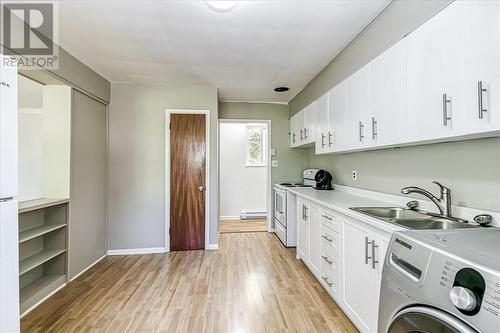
(471, 291)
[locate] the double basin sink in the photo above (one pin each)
(413, 219)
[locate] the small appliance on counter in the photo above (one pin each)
(309, 176)
(323, 180)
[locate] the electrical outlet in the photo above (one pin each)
(354, 175)
(274, 163)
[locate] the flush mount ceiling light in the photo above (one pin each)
(281, 89)
(221, 6)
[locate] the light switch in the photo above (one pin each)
(273, 152)
(274, 163)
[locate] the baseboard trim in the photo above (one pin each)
(146, 250)
(212, 247)
(222, 218)
(271, 230)
(88, 267)
(41, 301)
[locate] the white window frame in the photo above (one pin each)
(263, 146)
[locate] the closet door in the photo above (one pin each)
(87, 229)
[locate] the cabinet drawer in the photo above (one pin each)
(329, 220)
(329, 260)
(330, 241)
(329, 281)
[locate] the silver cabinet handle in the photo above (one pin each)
(328, 260)
(330, 136)
(361, 126)
(367, 257)
(446, 117)
(303, 212)
(374, 261)
(323, 140)
(306, 209)
(301, 134)
(327, 217)
(374, 128)
(330, 284)
(480, 91)
(305, 133)
(328, 239)
(293, 137)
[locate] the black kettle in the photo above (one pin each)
(323, 180)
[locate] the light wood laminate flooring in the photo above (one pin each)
(229, 226)
(251, 284)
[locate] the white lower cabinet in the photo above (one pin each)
(309, 235)
(346, 256)
(364, 248)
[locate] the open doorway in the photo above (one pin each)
(244, 162)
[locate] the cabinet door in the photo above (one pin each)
(313, 216)
(342, 131)
(358, 108)
(481, 38)
(302, 231)
(435, 76)
(388, 97)
(322, 125)
(310, 122)
(294, 131)
(358, 276)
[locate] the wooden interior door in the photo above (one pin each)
(187, 182)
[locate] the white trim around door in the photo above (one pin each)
(268, 163)
(168, 112)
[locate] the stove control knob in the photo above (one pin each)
(463, 298)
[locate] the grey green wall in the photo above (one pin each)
(470, 168)
(136, 208)
(291, 162)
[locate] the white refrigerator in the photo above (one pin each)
(9, 247)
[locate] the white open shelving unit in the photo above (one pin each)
(43, 247)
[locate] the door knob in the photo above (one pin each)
(201, 188)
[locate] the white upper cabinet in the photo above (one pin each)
(358, 108)
(340, 119)
(434, 77)
(439, 83)
(387, 124)
(324, 129)
(297, 129)
(481, 38)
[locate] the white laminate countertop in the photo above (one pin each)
(341, 201)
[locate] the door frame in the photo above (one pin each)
(169, 112)
(268, 164)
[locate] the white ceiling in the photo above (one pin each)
(245, 53)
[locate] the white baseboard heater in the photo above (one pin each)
(252, 215)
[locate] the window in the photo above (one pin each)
(256, 146)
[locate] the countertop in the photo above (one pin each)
(341, 201)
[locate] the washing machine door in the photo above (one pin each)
(422, 319)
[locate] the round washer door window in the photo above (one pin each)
(420, 319)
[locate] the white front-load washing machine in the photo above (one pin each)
(441, 281)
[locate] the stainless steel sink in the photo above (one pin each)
(413, 219)
(390, 212)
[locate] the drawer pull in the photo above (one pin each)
(328, 260)
(327, 238)
(327, 217)
(330, 284)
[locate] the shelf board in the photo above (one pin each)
(37, 231)
(39, 289)
(38, 259)
(28, 206)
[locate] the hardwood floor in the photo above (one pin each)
(228, 226)
(252, 284)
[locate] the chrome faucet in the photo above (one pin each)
(443, 203)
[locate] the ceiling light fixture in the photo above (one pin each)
(281, 89)
(221, 6)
